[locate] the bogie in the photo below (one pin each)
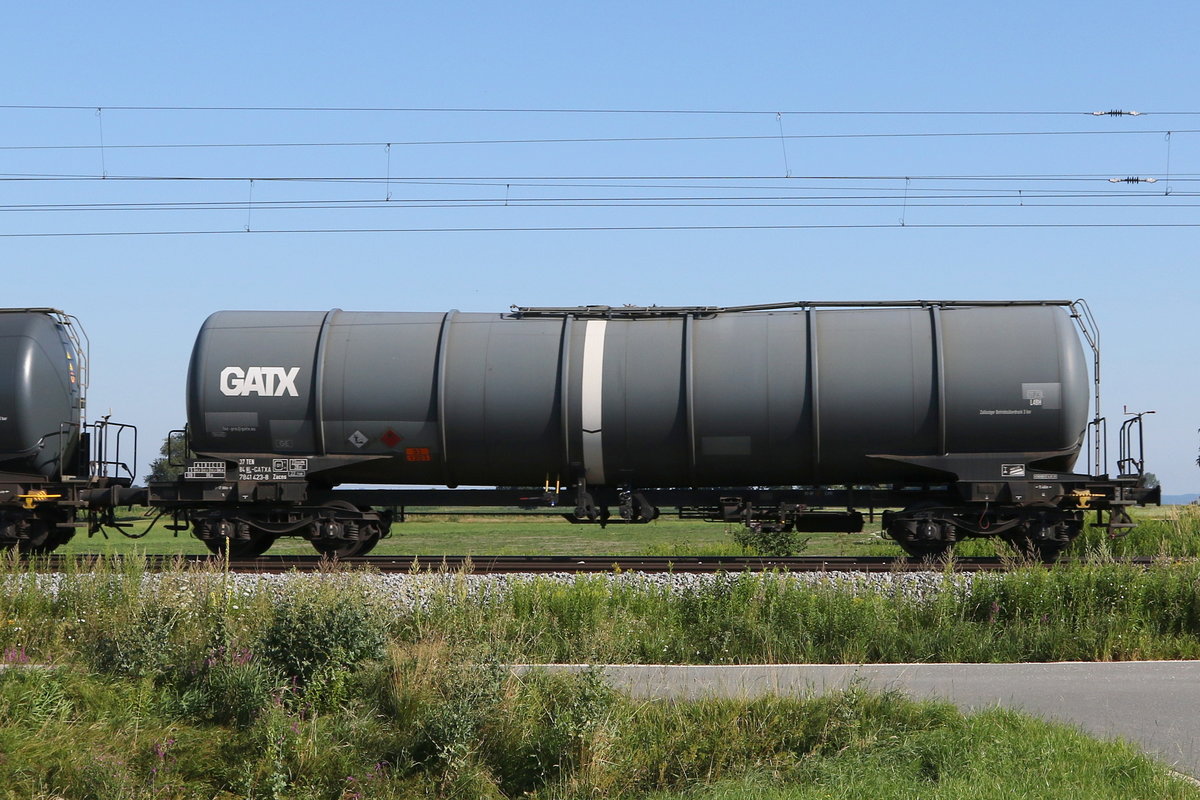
(928, 530)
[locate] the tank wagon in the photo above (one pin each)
(964, 419)
(53, 467)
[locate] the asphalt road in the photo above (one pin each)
(1153, 704)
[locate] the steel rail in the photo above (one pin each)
(544, 565)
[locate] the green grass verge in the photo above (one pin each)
(196, 684)
(433, 722)
(1091, 612)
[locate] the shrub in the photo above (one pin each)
(766, 541)
(142, 647)
(319, 630)
(230, 689)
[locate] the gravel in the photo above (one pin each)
(405, 592)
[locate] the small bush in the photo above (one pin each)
(230, 690)
(143, 647)
(318, 631)
(769, 542)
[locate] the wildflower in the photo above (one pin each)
(15, 655)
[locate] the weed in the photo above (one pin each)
(230, 690)
(317, 633)
(769, 540)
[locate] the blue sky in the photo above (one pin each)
(141, 297)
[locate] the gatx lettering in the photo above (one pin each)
(264, 381)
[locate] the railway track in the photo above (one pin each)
(542, 565)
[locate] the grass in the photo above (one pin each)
(1167, 530)
(1101, 611)
(430, 721)
(190, 684)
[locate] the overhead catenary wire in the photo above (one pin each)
(683, 191)
(796, 193)
(602, 228)
(830, 192)
(816, 194)
(678, 205)
(513, 179)
(582, 140)
(546, 110)
(1100, 200)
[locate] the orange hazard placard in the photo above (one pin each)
(417, 454)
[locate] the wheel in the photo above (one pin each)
(339, 548)
(38, 540)
(56, 538)
(1037, 550)
(240, 548)
(921, 537)
(369, 538)
(343, 548)
(1044, 537)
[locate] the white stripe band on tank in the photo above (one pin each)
(591, 394)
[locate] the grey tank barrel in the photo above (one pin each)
(41, 393)
(644, 397)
